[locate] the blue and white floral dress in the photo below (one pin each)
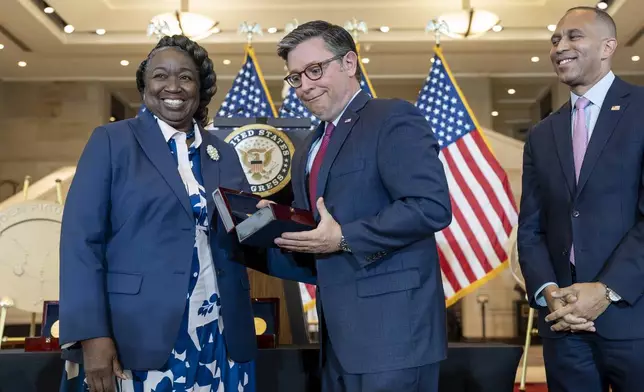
(199, 361)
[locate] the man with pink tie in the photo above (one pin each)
(581, 222)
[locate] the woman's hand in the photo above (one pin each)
(101, 364)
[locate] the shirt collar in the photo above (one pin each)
(337, 119)
(169, 132)
(597, 93)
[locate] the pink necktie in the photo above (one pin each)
(579, 144)
(317, 163)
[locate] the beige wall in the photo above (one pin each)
(478, 93)
(44, 126)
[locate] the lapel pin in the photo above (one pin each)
(348, 120)
(616, 107)
(212, 153)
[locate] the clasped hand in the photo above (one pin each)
(575, 308)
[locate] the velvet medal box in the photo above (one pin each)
(48, 339)
(266, 314)
(258, 227)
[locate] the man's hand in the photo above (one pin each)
(591, 302)
(101, 364)
(264, 203)
(323, 239)
(569, 322)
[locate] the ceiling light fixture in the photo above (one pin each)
(512, 91)
(69, 29)
(49, 10)
(535, 59)
(495, 113)
(365, 60)
(272, 30)
(635, 58)
(552, 27)
(1, 46)
(469, 23)
(384, 29)
(602, 5)
(192, 25)
(226, 62)
(22, 64)
(125, 63)
(100, 31)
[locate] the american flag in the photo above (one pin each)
(484, 211)
(248, 96)
(292, 107)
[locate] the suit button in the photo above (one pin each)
(575, 214)
(564, 252)
(219, 272)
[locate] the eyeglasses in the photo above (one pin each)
(313, 72)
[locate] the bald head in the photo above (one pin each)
(583, 45)
(602, 19)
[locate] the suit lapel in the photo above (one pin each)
(604, 128)
(340, 134)
(209, 169)
(150, 137)
(561, 128)
(300, 161)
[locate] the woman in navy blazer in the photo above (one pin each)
(149, 292)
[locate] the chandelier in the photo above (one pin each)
(190, 24)
(469, 23)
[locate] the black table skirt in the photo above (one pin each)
(477, 367)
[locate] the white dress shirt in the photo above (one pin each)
(316, 145)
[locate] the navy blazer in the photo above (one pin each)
(382, 181)
(603, 214)
(127, 241)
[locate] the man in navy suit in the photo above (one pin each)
(372, 177)
(581, 224)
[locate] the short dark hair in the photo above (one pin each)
(337, 40)
(602, 16)
(207, 75)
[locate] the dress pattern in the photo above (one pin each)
(199, 361)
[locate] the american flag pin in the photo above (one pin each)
(348, 120)
(616, 107)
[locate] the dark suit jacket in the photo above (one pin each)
(381, 179)
(602, 214)
(127, 241)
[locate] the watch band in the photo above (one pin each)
(344, 246)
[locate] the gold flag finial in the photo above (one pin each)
(290, 26)
(438, 27)
(355, 27)
(251, 30)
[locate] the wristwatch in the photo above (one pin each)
(611, 295)
(343, 245)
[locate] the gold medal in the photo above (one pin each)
(260, 326)
(55, 333)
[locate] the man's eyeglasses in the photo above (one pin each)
(313, 72)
